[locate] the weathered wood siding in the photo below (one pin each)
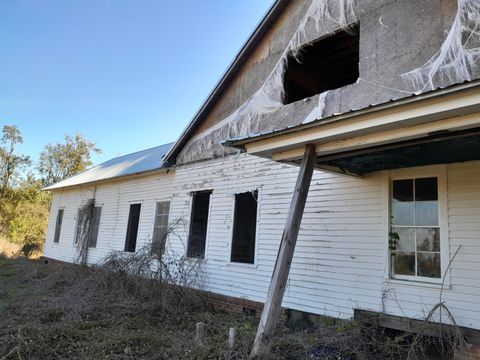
(341, 259)
(115, 199)
(340, 262)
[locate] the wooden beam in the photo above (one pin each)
(415, 326)
(271, 310)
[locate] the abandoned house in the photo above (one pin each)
(377, 101)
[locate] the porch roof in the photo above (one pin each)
(438, 127)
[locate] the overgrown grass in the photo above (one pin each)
(59, 311)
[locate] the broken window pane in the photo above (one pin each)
(244, 227)
(132, 227)
(402, 203)
(428, 265)
(415, 220)
(403, 190)
(198, 224)
(428, 239)
(426, 189)
(403, 263)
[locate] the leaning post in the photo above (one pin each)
(271, 309)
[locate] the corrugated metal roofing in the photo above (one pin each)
(135, 163)
(240, 141)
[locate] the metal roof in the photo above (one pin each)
(130, 164)
(240, 142)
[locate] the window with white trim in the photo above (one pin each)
(58, 226)
(244, 227)
(415, 229)
(160, 227)
(198, 224)
(88, 222)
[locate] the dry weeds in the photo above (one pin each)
(59, 311)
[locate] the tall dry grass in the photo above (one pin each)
(8, 248)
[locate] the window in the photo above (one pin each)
(132, 228)
(198, 224)
(326, 64)
(160, 227)
(58, 226)
(82, 217)
(244, 227)
(415, 228)
(94, 226)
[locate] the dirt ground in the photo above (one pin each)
(59, 311)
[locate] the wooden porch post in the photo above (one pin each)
(271, 309)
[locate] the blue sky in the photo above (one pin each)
(128, 74)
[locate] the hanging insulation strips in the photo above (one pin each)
(455, 62)
(458, 56)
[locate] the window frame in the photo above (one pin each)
(55, 240)
(207, 232)
(155, 216)
(98, 226)
(257, 230)
(128, 225)
(75, 233)
(438, 171)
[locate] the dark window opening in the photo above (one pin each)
(58, 226)
(160, 227)
(198, 224)
(244, 227)
(87, 227)
(326, 64)
(132, 229)
(94, 227)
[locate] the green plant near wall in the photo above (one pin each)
(393, 238)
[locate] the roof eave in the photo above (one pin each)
(161, 170)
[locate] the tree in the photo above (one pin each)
(28, 223)
(10, 162)
(60, 161)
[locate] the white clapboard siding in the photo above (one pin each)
(341, 259)
(338, 263)
(115, 199)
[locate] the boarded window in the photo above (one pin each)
(132, 228)
(415, 234)
(160, 228)
(58, 226)
(244, 228)
(87, 226)
(326, 64)
(94, 227)
(198, 224)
